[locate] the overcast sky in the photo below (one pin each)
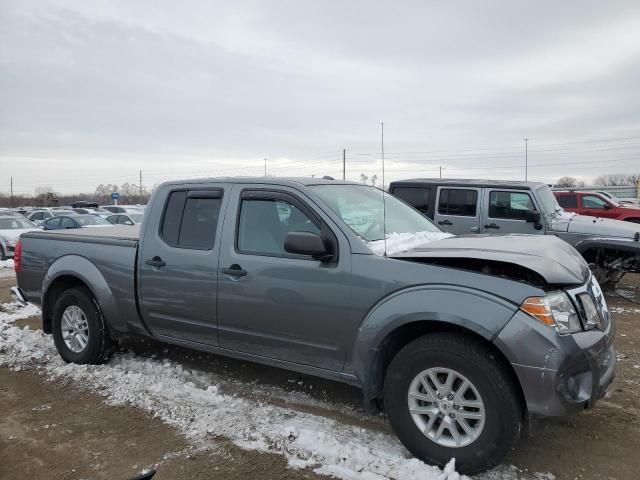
(92, 92)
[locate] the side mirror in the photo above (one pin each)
(305, 243)
(607, 206)
(532, 216)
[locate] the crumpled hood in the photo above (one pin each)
(605, 227)
(11, 235)
(553, 259)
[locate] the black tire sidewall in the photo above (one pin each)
(502, 414)
(82, 299)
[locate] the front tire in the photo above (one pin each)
(79, 330)
(448, 396)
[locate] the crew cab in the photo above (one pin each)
(461, 339)
(596, 205)
(610, 247)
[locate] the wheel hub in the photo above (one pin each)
(446, 407)
(75, 329)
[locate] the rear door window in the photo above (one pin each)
(568, 201)
(509, 205)
(417, 197)
(191, 218)
(53, 222)
(66, 223)
(458, 201)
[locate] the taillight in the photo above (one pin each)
(17, 254)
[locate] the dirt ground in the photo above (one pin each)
(51, 430)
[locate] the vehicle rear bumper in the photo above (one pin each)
(558, 374)
(18, 295)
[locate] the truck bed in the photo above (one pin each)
(105, 256)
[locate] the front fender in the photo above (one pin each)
(85, 271)
(473, 310)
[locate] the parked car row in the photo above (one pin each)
(461, 339)
(14, 222)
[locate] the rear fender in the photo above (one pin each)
(82, 269)
(439, 305)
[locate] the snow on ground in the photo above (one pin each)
(10, 312)
(191, 400)
(6, 268)
(401, 242)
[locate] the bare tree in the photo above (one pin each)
(363, 178)
(612, 180)
(374, 179)
(566, 182)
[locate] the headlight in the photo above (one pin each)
(554, 310)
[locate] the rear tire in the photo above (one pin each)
(633, 220)
(79, 330)
(482, 396)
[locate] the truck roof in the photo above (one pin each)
(465, 182)
(290, 181)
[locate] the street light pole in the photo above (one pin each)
(265, 167)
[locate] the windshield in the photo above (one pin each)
(548, 200)
(361, 208)
(15, 224)
(90, 220)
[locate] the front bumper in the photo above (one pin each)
(559, 374)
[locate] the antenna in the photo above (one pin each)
(384, 203)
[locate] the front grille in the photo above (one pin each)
(592, 305)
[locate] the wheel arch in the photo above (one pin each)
(405, 334)
(72, 271)
(404, 316)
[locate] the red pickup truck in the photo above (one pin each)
(596, 205)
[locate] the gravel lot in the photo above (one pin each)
(62, 429)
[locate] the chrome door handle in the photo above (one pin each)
(475, 229)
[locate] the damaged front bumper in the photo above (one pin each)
(559, 374)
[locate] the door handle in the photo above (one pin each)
(444, 222)
(475, 229)
(234, 270)
(492, 225)
(156, 262)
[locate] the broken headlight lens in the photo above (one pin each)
(555, 310)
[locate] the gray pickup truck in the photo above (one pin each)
(460, 339)
(610, 247)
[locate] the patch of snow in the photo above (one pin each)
(10, 312)
(401, 242)
(6, 268)
(191, 401)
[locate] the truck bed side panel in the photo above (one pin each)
(106, 265)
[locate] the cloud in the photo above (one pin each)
(100, 90)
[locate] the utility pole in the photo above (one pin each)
(382, 148)
(526, 158)
(11, 198)
(344, 164)
(265, 167)
(440, 171)
(141, 183)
